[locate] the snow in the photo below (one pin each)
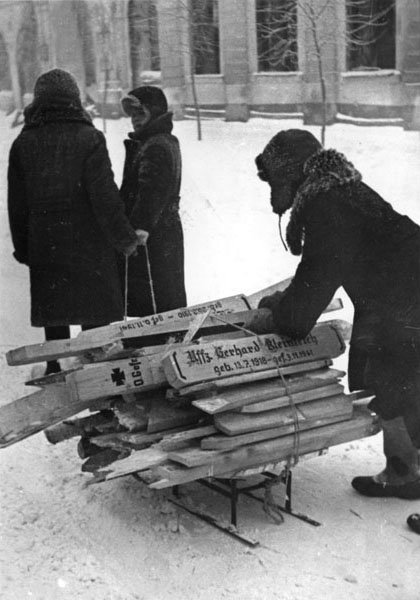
(64, 539)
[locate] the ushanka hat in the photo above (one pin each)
(146, 95)
(286, 153)
(56, 85)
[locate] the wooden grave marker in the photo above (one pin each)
(245, 394)
(238, 423)
(334, 389)
(227, 464)
(187, 365)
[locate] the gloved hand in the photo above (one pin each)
(271, 301)
(131, 249)
(142, 236)
(262, 322)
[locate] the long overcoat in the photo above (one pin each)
(349, 236)
(150, 189)
(66, 218)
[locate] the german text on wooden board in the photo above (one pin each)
(203, 362)
(222, 306)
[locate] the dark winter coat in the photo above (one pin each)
(349, 236)
(66, 218)
(150, 189)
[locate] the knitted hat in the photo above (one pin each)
(147, 95)
(286, 153)
(56, 84)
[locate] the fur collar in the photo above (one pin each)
(323, 171)
(161, 124)
(37, 115)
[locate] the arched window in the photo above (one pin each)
(277, 35)
(370, 34)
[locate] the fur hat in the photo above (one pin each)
(56, 85)
(147, 95)
(286, 153)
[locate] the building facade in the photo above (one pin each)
(356, 57)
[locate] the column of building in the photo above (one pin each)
(122, 45)
(67, 45)
(11, 17)
(46, 51)
(235, 58)
(408, 58)
(320, 37)
(172, 21)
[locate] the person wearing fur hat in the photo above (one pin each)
(348, 236)
(150, 190)
(66, 216)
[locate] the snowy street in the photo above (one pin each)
(63, 539)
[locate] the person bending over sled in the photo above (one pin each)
(349, 236)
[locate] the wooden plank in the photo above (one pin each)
(126, 439)
(164, 415)
(172, 439)
(220, 385)
(56, 402)
(138, 461)
(275, 468)
(362, 424)
(237, 423)
(226, 442)
(297, 398)
(190, 364)
(168, 322)
(151, 476)
(169, 439)
(245, 394)
(33, 413)
(148, 331)
(193, 457)
(281, 286)
(132, 416)
(135, 374)
(71, 428)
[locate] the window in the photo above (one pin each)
(205, 36)
(370, 34)
(277, 35)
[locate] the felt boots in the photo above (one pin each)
(401, 476)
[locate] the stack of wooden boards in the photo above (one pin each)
(175, 408)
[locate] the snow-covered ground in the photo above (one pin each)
(62, 539)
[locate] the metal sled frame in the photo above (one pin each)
(230, 489)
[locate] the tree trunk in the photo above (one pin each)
(192, 72)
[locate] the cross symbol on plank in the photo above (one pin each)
(118, 376)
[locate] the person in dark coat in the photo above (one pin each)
(349, 236)
(150, 190)
(66, 217)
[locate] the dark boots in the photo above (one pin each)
(413, 522)
(53, 366)
(401, 476)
